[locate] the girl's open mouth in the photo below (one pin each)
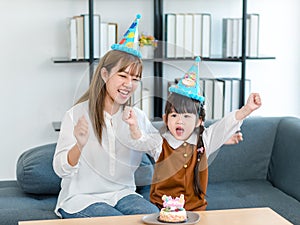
(179, 131)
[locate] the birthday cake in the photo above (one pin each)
(173, 211)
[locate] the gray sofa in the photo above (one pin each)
(261, 171)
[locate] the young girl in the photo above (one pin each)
(100, 145)
(182, 165)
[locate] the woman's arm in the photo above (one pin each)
(81, 133)
(66, 148)
(144, 136)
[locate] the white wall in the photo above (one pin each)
(35, 91)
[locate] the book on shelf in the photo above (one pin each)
(188, 36)
(208, 92)
(179, 35)
(206, 35)
(103, 38)
(201, 34)
(252, 48)
(170, 33)
(96, 41)
(218, 99)
(235, 93)
(112, 33)
(72, 39)
(239, 33)
(232, 93)
(79, 37)
(232, 37)
(227, 28)
(197, 34)
(235, 37)
(109, 34)
(227, 95)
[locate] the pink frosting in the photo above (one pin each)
(176, 203)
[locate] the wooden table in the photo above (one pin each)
(249, 216)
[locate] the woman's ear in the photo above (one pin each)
(104, 74)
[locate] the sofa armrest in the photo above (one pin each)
(284, 168)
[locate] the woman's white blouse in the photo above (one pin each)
(104, 173)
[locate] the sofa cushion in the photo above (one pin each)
(284, 165)
(35, 173)
(252, 193)
(143, 174)
(230, 162)
(15, 205)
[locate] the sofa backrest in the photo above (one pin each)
(250, 158)
(284, 169)
(35, 174)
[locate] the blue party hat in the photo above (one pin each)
(129, 41)
(189, 85)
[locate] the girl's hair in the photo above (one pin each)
(181, 104)
(97, 90)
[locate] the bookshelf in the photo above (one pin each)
(159, 59)
(56, 124)
(91, 59)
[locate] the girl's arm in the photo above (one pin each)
(253, 103)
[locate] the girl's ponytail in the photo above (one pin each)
(200, 151)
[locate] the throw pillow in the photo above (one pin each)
(35, 173)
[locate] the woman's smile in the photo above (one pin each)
(125, 93)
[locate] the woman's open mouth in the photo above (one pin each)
(124, 93)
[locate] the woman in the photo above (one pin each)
(101, 145)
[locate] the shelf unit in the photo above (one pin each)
(159, 57)
(56, 124)
(158, 62)
(91, 58)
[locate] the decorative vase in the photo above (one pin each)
(147, 52)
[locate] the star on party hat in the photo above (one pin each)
(189, 85)
(129, 42)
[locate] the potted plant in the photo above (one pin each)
(147, 45)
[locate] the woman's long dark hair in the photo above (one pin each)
(181, 104)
